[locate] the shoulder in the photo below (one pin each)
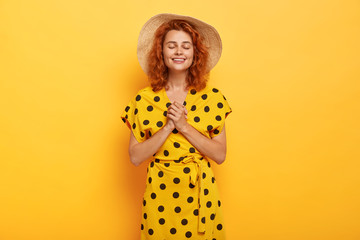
(211, 91)
(145, 91)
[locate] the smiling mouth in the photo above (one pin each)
(178, 60)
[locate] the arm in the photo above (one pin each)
(214, 148)
(139, 152)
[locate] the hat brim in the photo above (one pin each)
(211, 38)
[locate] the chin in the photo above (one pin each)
(178, 68)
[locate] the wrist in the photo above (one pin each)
(168, 128)
(184, 128)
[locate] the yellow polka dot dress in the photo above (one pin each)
(181, 199)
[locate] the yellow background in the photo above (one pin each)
(289, 69)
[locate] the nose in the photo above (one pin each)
(178, 51)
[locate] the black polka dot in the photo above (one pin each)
(142, 134)
(176, 180)
(146, 122)
(161, 174)
(142, 227)
(204, 175)
(184, 103)
(150, 179)
(219, 227)
(188, 234)
(196, 212)
(136, 111)
(177, 209)
(166, 152)
(209, 165)
(212, 179)
(138, 97)
(208, 204)
(224, 97)
(193, 108)
(167, 164)
(204, 96)
(218, 118)
(123, 119)
(196, 119)
(165, 113)
(159, 123)
(156, 98)
(127, 108)
(161, 221)
(150, 108)
(216, 131)
(168, 105)
(162, 186)
(175, 131)
(220, 105)
(184, 221)
(126, 116)
(172, 230)
(219, 203)
(203, 219)
(212, 216)
(190, 199)
(176, 195)
(176, 144)
(206, 108)
(134, 126)
(157, 160)
(215, 90)
(144, 202)
(145, 216)
(206, 191)
(191, 185)
(192, 150)
(193, 91)
(150, 133)
(153, 195)
(161, 208)
(209, 128)
(152, 164)
(186, 170)
(151, 232)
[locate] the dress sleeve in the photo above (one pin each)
(130, 117)
(223, 110)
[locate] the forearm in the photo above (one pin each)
(211, 148)
(139, 152)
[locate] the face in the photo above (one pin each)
(178, 51)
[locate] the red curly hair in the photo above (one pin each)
(158, 72)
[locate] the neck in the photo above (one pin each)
(176, 80)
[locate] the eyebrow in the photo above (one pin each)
(176, 42)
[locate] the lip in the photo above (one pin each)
(178, 60)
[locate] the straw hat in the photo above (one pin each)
(211, 38)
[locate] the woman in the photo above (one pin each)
(178, 122)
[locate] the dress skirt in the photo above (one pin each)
(181, 201)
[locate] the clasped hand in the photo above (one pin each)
(177, 115)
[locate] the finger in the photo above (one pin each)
(174, 107)
(180, 107)
(172, 117)
(173, 113)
